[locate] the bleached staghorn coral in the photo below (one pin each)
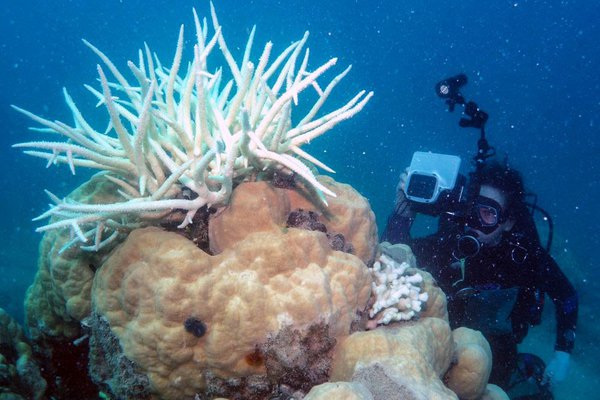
(397, 292)
(170, 134)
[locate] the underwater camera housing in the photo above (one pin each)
(433, 183)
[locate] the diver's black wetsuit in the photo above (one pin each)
(499, 296)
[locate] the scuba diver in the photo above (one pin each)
(486, 254)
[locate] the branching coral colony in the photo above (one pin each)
(172, 134)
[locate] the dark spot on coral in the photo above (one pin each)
(283, 180)
(197, 231)
(338, 242)
(361, 317)
(92, 267)
(255, 359)
(309, 220)
(195, 326)
(305, 219)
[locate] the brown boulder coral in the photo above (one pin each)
(339, 391)
(59, 297)
(469, 375)
(400, 361)
(270, 308)
(259, 206)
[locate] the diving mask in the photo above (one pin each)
(486, 214)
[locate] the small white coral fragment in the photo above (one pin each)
(397, 290)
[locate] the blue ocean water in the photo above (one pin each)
(532, 65)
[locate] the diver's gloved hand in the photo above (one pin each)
(402, 206)
(556, 371)
(397, 229)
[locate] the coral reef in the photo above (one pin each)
(295, 357)
(411, 359)
(339, 391)
(398, 294)
(205, 261)
(469, 375)
(20, 376)
(259, 207)
(59, 297)
(436, 305)
(417, 360)
(398, 361)
(183, 141)
(307, 219)
(300, 360)
(109, 368)
(493, 392)
(275, 312)
(247, 296)
(64, 365)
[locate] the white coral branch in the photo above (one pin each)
(169, 132)
(398, 295)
